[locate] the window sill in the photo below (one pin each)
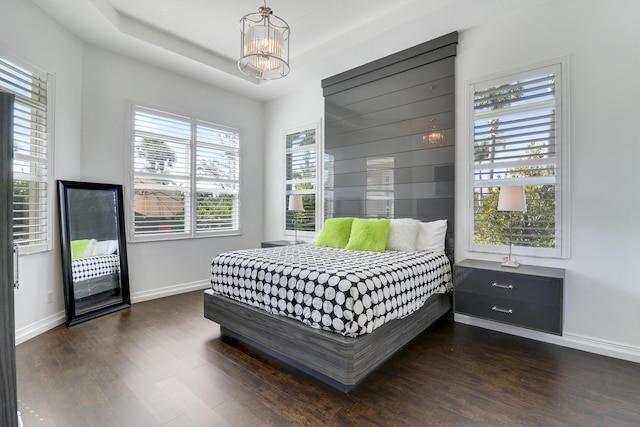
(151, 239)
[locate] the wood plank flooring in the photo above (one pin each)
(161, 363)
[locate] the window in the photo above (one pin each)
(379, 201)
(186, 177)
(518, 124)
(301, 167)
(31, 163)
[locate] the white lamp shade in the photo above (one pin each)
(512, 198)
(295, 202)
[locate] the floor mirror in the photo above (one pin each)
(94, 252)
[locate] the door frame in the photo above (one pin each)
(8, 384)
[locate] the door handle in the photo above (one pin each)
(16, 267)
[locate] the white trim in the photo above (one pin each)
(562, 66)
(39, 327)
(320, 177)
(317, 126)
(579, 342)
(51, 193)
(575, 341)
(128, 170)
(43, 325)
(564, 156)
(194, 121)
(168, 291)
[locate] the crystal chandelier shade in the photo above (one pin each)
(434, 135)
(264, 46)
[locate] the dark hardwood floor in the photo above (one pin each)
(161, 363)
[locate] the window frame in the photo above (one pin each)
(190, 220)
(50, 193)
(315, 125)
(562, 156)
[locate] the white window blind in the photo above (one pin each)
(185, 176)
(31, 164)
(517, 141)
(217, 178)
(301, 178)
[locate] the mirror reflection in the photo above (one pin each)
(93, 249)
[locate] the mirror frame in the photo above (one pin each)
(72, 316)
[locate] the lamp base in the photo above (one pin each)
(510, 263)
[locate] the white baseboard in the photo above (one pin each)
(575, 341)
(169, 290)
(43, 325)
(39, 327)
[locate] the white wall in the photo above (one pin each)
(55, 51)
(303, 108)
(110, 80)
(602, 298)
(92, 87)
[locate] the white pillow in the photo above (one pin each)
(88, 251)
(105, 247)
(402, 234)
(113, 247)
(432, 235)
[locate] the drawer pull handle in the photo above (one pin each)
(502, 310)
(498, 285)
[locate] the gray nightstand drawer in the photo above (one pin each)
(529, 296)
(534, 289)
(520, 313)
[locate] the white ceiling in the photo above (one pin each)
(200, 38)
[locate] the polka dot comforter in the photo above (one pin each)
(95, 266)
(348, 292)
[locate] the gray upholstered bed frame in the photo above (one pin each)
(341, 362)
(338, 360)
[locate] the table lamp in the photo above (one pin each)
(511, 199)
(295, 205)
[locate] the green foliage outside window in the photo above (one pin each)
(492, 146)
(533, 228)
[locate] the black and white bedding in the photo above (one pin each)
(95, 266)
(347, 292)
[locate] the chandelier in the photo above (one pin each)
(434, 135)
(264, 45)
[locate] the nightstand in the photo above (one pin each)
(528, 296)
(274, 243)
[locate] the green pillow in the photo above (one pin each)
(78, 247)
(369, 235)
(335, 233)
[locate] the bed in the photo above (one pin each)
(95, 275)
(334, 313)
(95, 267)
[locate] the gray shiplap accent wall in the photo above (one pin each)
(378, 114)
